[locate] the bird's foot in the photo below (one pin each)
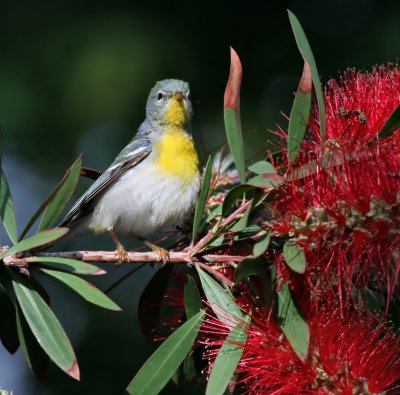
(120, 249)
(122, 254)
(163, 254)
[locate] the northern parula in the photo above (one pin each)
(153, 183)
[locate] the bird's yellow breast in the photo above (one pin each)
(177, 155)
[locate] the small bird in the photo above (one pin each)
(153, 183)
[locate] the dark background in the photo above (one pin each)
(74, 77)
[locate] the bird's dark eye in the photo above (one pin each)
(160, 95)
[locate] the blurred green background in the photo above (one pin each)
(74, 77)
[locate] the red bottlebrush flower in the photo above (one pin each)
(341, 202)
(358, 106)
(350, 354)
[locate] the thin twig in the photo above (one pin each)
(113, 257)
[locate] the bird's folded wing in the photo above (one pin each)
(130, 156)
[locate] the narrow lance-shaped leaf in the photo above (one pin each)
(306, 53)
(36, 240)
(81, 287)
(36, 358)
(63, 194)
(294, 256)
(391, 124)
(204, 191)
(51, 197)
(262, 167)
(261, 245)
(221, 301)
(161, 366)
(192, 298)
(292, 323)
(227, 359)
(45, 327)
(300, 112)
(7, 214)
(66, 264)
(8, 328)
(232, 114)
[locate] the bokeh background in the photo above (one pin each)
(74, 77)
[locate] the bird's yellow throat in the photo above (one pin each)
(177, 155)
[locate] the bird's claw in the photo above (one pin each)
(163, 254)
(122, 255)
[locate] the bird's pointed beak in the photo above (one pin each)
(178, 96)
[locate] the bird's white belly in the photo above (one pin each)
(144, 201)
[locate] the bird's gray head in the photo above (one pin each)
(169, 104)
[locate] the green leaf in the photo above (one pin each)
(7, 214)
(294, 256)
(37, 359)
(234, 194)
(262, 167)
(221, 301)
(227, 359)
(45, 327)
(261, 268)
(66, 264)
(251, 267)
(204, 191)
(49, 199)
(192, 298)
(391, 124)
(292, 323)
(63, 193)
(8, 327)
(83, 288)
(306, 53)
(261, 245)
(39, 239)
(266, 180)
(232, 115)
(300, 113)
(161, 366)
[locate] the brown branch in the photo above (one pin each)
(203, 242)
(188, 256)
(113, 257)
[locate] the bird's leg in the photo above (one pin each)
(163, 254)
(122, 254)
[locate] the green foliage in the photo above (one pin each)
(66, 264)
(233, 126)
(8, 331)
(204, 191)
(161, 366)
(37, 240)
(192, 298)
(57, 201)
(292, 323)
(391, 124)
(294, 256)
(262, 167)
(306, 53)
(45, 326)
(300, 112)
(220, 300)
(7, 209)
(227, 359)
(34, 355)
(83, 288)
